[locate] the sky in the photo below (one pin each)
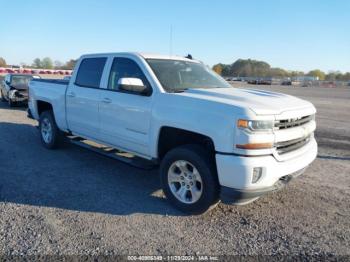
(291, 34)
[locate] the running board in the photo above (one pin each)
(125, 157)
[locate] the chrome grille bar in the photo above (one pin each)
(288, 123)
(288, 146)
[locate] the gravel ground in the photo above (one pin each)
(73, 201)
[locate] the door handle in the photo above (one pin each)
(71, 94)
(106, 100)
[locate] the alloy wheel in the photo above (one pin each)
(185, 182)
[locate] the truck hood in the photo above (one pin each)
(21, 87)
(261, 102)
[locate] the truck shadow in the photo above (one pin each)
(19, 106)
(333, 157)
(73, 178)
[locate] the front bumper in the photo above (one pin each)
(235, 172)
(241, 196)
(17, 96)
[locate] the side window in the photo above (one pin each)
(125, 67)
(90, 72)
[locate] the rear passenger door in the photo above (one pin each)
(125, 116)
(83, 96)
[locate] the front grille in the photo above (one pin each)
(22, 93)
(292, 122)
(291, 145)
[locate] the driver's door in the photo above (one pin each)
(125, 117)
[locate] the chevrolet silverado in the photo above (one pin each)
(212, 141)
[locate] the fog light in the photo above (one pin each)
(257, 173)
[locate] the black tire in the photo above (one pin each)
(2, 97)
(204, 162)
(10, 103)
(57, 135)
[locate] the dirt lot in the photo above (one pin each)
(73, 201)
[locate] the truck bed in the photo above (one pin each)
(53, 92)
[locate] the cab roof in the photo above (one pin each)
(145, 56)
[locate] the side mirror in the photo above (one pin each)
(134, 85)
(7, 82)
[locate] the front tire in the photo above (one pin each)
(10, 102)
(189, 179)
(2, 97)
(50, 135)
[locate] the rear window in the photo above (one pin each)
(90, 72)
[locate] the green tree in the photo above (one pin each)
(37, 63)
(249, 67)
(317, 73)
(47, 63)
(255, 68)
(339, 77)
(24, 65)
(296, 73)
(332, 75)
(346, 76)
(218, 68)
(58, 64)
(278, 72)
(70, 64)
(226, 70)
(2, 62)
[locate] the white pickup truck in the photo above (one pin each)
(213, 142)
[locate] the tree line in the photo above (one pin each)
(45, 63)
(254, 68)
(240, 68)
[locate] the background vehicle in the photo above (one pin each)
(212, 141)
(265, 81)
(286, 83)
(253, 81)
(14, 88)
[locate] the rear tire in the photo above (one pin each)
(189, 179)
(51, 137)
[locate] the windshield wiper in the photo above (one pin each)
(179, 90)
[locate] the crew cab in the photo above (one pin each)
(212, 141)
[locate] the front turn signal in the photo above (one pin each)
(255, 146)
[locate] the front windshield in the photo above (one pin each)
(20, 80)
(177, 76)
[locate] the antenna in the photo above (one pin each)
(171, 41)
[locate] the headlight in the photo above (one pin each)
(12, 93)
(255, 125)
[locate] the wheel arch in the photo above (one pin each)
(171, 137)
(42, 106)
